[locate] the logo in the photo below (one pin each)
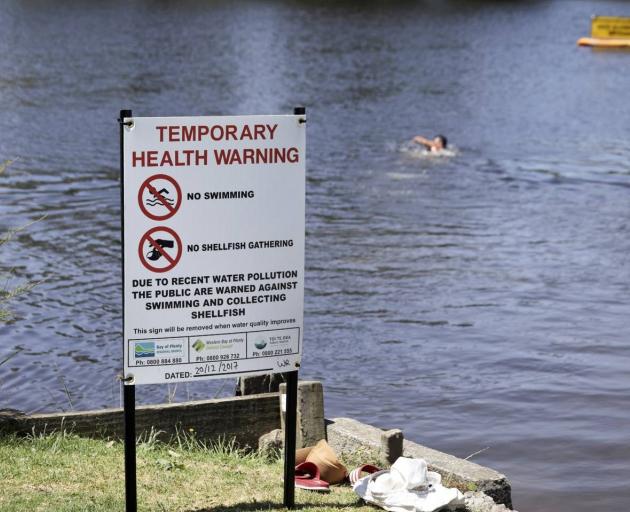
(145, 349)
(260, 344)
(198, 345)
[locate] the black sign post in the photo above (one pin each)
(129, 390)
(131, 501)
(290, 418)
(289, 439)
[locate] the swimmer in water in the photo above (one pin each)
(438, 143)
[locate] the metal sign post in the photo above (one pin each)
(131, 501)
(290, 433)
(129, 390)
(290, 439)
(224, 297)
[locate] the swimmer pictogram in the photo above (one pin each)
(160, 249)
(159, 197)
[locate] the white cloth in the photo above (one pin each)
(408, 487)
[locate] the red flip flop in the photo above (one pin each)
(307, 477)
(357, 474)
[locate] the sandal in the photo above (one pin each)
(357, 474)
(307, 477)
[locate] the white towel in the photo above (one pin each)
(407, 487)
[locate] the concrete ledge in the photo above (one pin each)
(243, 418)
(348, 436)
(463, 474)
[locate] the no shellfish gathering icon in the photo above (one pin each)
(160, 249)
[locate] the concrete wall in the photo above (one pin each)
(242, 418)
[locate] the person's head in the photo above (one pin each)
(440, 141)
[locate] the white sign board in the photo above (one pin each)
(213, 246)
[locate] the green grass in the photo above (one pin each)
(63, 473)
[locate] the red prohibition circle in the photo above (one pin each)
(172, 210)
(173, 260)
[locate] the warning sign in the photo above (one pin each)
(160, 197)
(160, 249)
(213, 246)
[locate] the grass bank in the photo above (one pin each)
(63, 473)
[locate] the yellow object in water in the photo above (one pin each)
(608, 32)
(603, 43)
(610, 27)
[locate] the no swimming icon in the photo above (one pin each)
(159, 197)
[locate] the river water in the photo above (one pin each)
(476, 301)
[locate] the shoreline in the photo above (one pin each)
(249, 420)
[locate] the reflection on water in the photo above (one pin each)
(474, 300)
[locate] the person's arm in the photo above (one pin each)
(425, 142)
